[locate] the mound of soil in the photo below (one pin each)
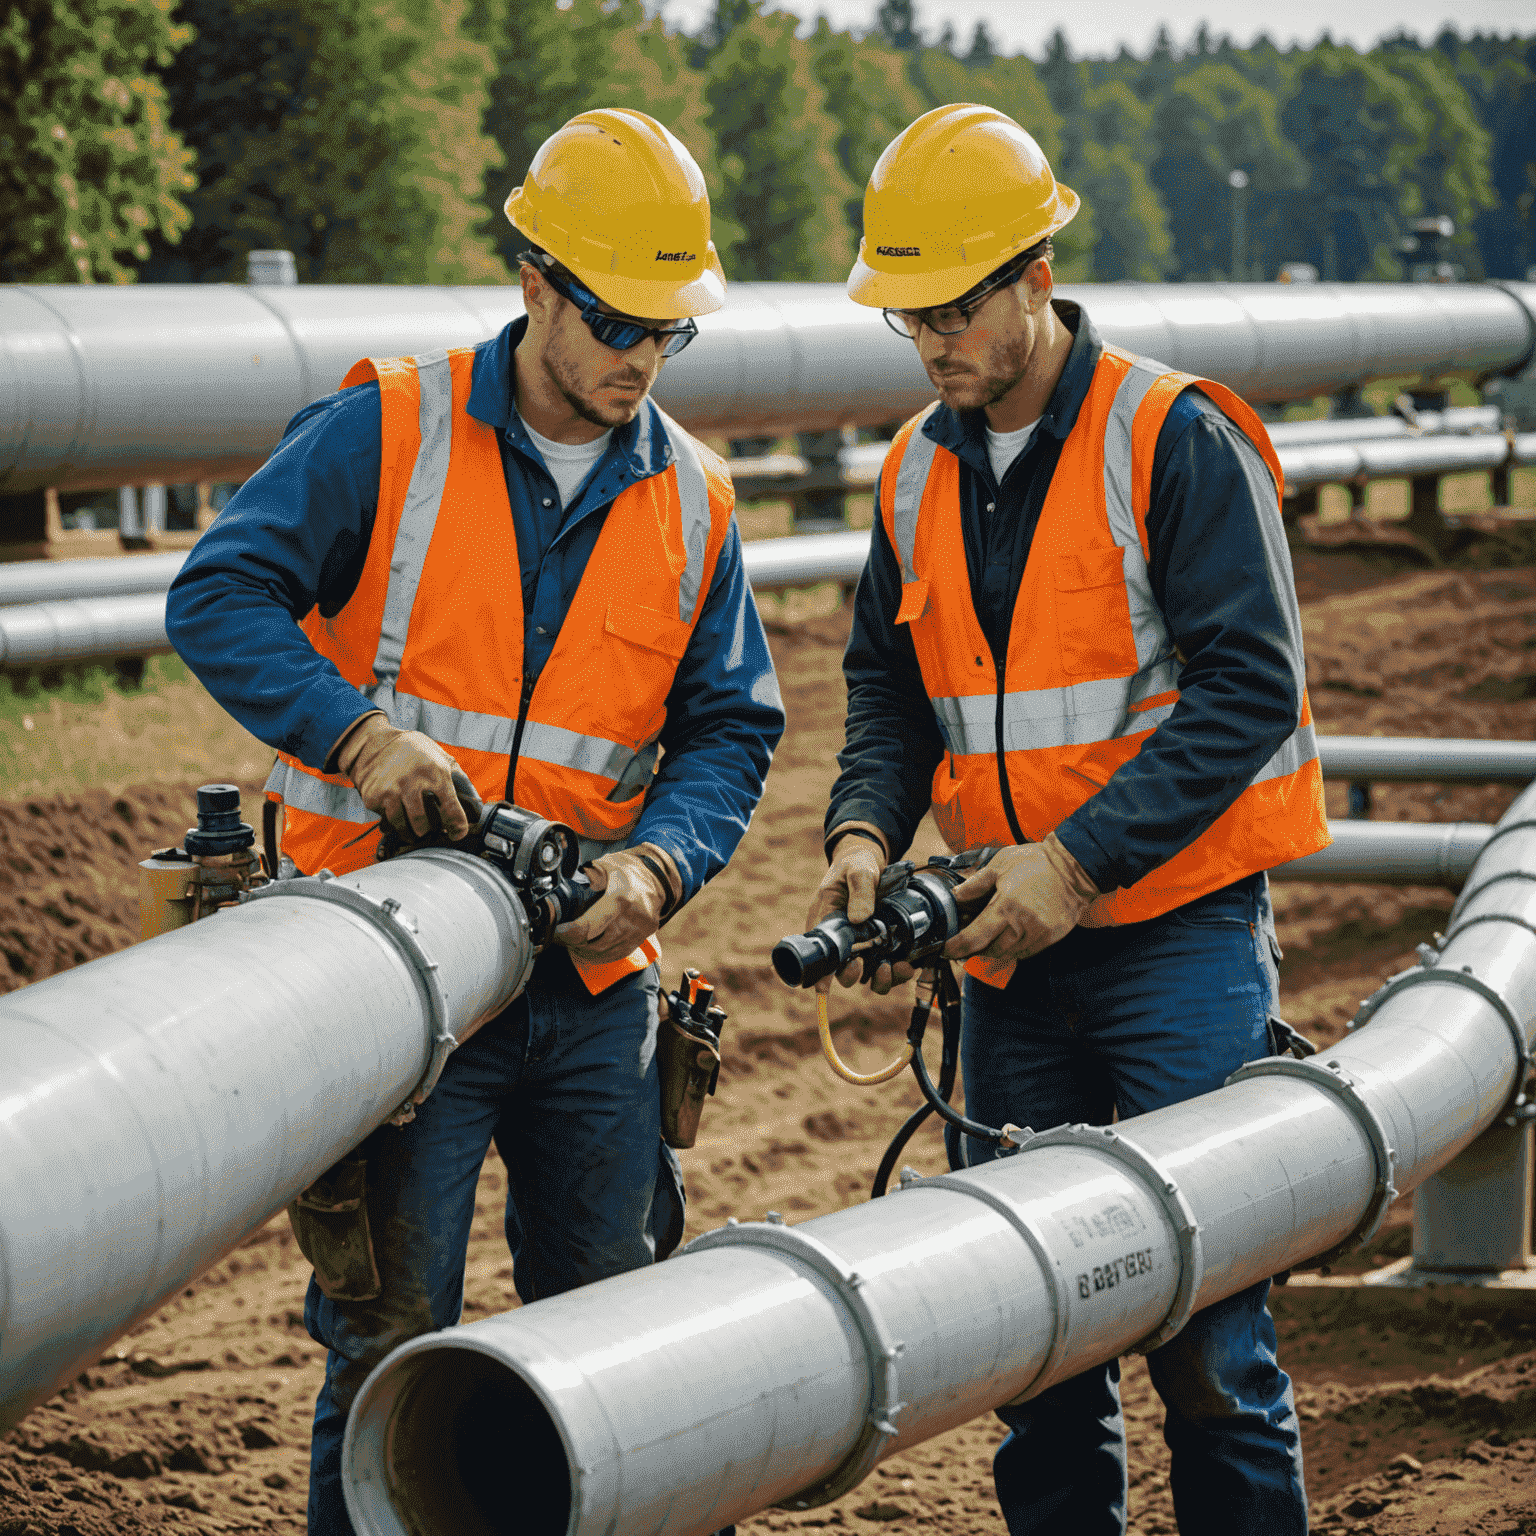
(1416, 1420)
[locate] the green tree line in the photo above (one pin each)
(377, 139)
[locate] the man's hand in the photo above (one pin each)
(406, 778)
(849, 885)
(1038, 892)
(631, 906)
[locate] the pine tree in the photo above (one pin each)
(896, 21)
(89, 167)
(871, 99)
(346, 131)
(1211, 122)
(782, 182)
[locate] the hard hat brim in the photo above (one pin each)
(658, 298)
(881, 289)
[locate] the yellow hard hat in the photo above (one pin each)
(952, 198)
(617, 199)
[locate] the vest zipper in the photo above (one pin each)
(1002, 763)
(517, 733)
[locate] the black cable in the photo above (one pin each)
(947, 994)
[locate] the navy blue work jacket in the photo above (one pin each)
(296, 535)
(1221, 575)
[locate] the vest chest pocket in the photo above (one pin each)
(636, 664)
(1093, 613)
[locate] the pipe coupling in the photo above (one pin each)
(1176, 1207)
(1443, 974)
(881, 1350)
(1333, 1079)
(400, 928)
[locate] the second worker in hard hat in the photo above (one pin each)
(1077, 636)
(500, 571)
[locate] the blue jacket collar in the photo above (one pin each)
(964, 432)
(642, 445)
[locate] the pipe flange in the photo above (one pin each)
(1026, 1227)
(1332, 1078)
(399, 927)
(1176, 1206)
(1462, 978)
(879, 1427)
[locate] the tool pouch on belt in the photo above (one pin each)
(330, 1223)
(688, 1058)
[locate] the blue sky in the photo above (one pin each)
(1100, 29)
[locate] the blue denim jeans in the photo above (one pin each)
(1127, 1020)
(566, 1084)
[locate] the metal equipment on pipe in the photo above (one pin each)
(105, 386)
(778, 1364)
(161, 1103)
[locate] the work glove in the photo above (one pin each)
(633, 902)
(850, 885)
(408, 779)
(1035, 894)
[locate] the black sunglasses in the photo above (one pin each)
(615, 331)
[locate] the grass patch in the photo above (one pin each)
(85, 727)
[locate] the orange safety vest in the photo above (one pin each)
(433, 634)
(1091, 669)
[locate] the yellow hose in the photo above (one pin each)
(848, 1075)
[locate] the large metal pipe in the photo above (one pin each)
(57, 581)
(1461, 419)
(1392, 852)
(1419, 759)
(159, 1104)
(778, 1364)
(103, 386)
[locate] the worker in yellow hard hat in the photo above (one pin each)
(502, 572)
(1077, 638)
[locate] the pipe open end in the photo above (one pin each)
(453, 1440)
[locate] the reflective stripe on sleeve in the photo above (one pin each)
(693, 500)
(304, 792)
(1296, 751)
(423, 497)
(907, 500)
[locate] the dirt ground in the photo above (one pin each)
(1416, 1420)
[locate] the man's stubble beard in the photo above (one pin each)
(1005, 367)
(562, 372)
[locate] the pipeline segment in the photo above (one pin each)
(161, 1103)
(105, 386)
(774, 1364)
(1392, 852)
(57, 581)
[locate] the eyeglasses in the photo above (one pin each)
(619, 332)
(952, 318)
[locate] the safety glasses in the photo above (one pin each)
(952, 318)
(619, 332)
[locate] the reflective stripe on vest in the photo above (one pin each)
(628, 770)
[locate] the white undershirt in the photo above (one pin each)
(569, 464)
(1004, 447)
